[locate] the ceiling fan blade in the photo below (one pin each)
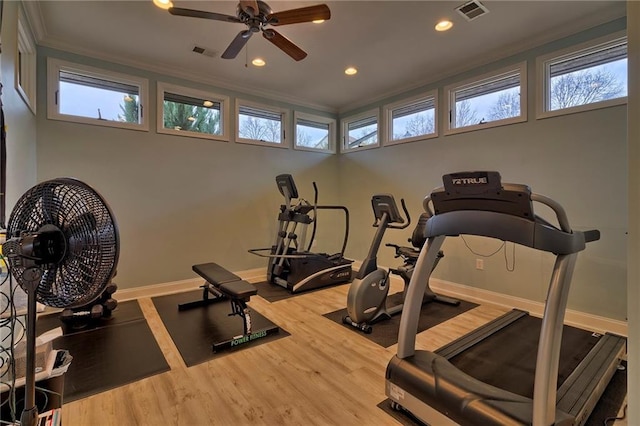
(296, 16)
(237, 44)
(284, 44)
(250, 7)
(178, 11)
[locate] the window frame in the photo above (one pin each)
(284, 124)
(224, 102)
(344, 147)
(25, 63)
(544, 62)
(318, 119)
(54, 66)
(479, 80)
(387, 139)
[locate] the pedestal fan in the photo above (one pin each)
(62, 248)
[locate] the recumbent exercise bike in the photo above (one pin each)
(368, 294)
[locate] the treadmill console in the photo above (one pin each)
(482, 190)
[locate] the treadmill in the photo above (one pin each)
(428, 385)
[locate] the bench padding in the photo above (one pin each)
(238, 289)
(215, 274)
(227, 282)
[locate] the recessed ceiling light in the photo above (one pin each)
(318, 21)
(163, 4)
(444, 25)
(259, 62)
(350, 71)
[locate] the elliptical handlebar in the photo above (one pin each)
(315, 215)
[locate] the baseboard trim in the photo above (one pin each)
(154, 290)
(574, 318)
(447, 288)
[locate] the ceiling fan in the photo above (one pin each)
(257, 16)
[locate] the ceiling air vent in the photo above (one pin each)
(204, 51)
(472, 10)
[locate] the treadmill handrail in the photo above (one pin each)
(561, 215)
(525, 229)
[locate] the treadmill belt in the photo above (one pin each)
(507, 359)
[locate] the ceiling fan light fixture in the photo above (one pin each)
(259, 62)
(351, 71)
(163, 4)
(444, 25)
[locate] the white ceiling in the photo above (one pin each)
(392, 43)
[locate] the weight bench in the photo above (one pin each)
(225, 285)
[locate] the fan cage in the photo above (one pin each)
(91, 236)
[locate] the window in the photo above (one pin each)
(89, 95)
(411, 120)
(492, 100)
(25, 80)
(260, 125)
(591, 76)
(314, 133)
(360, 131)
(189, 112)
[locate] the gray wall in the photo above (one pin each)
(578, 160)
(178, 201)
(182, 201)
(20, 121)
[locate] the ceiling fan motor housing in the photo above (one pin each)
(257, 15)
(263, 12)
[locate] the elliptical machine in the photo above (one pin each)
(368, 293)
(291, 263)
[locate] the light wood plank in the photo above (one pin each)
(322, 374)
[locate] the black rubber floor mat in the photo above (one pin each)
(403, 417)
(109, 357)
(108, 354)
(124, 312)
(385, 333)
(273, 293)
(612, 399)
(195, 330)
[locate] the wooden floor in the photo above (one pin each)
(322, 374)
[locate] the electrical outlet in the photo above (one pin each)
(479, 264)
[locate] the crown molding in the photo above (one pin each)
(36, 22)
(171, 71)
(493, 56)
